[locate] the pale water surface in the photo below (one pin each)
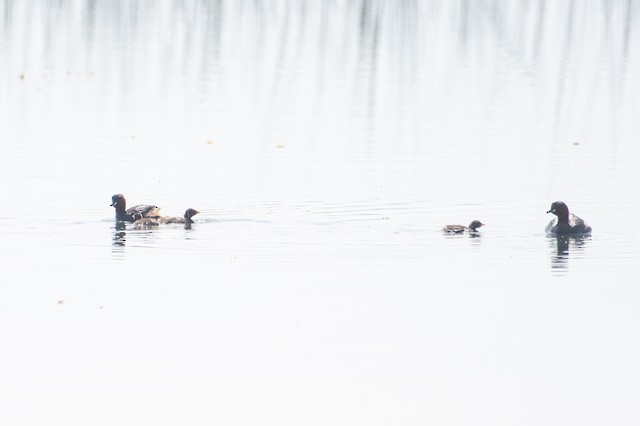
(326, 144)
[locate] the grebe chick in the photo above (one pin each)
(188, 214)
(459, 229)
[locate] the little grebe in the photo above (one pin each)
(566, 223)
(127, 214)
(459, 229)
(188, 214)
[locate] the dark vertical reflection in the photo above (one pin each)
(561, 79)
(538, 32)
(561, 248)
(385, 52)
(90, 22)
(559, 252)
(463, 24)
(282, 47)
(7, 27)
(608, 55)
(369, 44)
(628, 20)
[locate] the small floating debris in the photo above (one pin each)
(209, 142)
(279, 146)
(60, 302)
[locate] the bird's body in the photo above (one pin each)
(145, 222)
(188, 214)
(565, 223)
(459, 229)
(129, 214)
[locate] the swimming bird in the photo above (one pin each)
(565, 223)
(459, 229)
(127, 214)
(144, 222)
(188, 214)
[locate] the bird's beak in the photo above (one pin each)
(113, 204)
(550, 211)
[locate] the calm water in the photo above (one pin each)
(326, 144)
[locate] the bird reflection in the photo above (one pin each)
(562, 245)
(119, 236)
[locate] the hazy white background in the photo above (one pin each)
(326, 144)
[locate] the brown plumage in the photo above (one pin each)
(459, 229)
(565, 223)
(188, 214)
(144, 222)
(125, 214)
